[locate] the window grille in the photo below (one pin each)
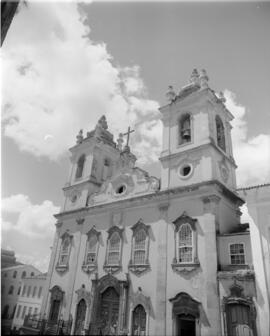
(80, 166)
(92, 250)
(185, 247)
(140, 247)
(237, 253)
(114, 249)
(64, 254)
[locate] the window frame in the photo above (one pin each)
(238, 254)
(89, 267)
(220, 142)
(81, 160)
(185, 266)
(180, 121)
(11, 290)
(63, 266)
(139, 268)
(113, 268)
(179, 247)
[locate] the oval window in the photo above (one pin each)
(121, 189)
(185, 170)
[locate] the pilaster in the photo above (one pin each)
(162, 264)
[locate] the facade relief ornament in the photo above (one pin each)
(139, 298)
(183, 303)
(224, 171)
(82, 293)
(210, 203)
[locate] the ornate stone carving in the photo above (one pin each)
(91, 267)
(62, 268)
(138, 269)
(79, 137)
(82, 293)
(56, 293)
(224, 171)
(80, 221)
(210, 202)
(203, 79)
(140, 298)
(183, 303)
(184, 218)
(184, 268)
(170, 95)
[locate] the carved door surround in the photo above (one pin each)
(183, 305)
(56, 302)
(235, 300)
(140, 299)
(100, 286)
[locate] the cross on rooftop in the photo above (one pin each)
(128, 133)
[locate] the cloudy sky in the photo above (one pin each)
(64, 65)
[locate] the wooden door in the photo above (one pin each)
(238, 320)
(139, 321)
(109, 311)
(186, 325)
(54, 310)
(80, 318)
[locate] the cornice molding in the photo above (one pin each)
(161, 196)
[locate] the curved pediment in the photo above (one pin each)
(127, 183)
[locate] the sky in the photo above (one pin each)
(65, 64)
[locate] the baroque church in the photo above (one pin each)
(137, 255)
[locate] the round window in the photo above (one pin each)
(121, 189)
(185, 170)
(74, 199)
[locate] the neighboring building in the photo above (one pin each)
(8, 259)
(138, 256)
(11, 286)
(258, 204)
(30, 299)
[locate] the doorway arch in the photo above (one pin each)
(80, 317)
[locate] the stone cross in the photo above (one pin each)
(128, 133)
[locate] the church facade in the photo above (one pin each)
(137, 255)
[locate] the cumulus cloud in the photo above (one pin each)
(252, 155)
(56, 81)
(32, 220)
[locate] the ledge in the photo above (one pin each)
(185, 268)
(61, 268)
(89, 268)
(138, 269)
(112, 268)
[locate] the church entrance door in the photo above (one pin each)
(80, 317)
(54, 310)
(186, 325)
(109, 311)
(139, 321)
(239, 322)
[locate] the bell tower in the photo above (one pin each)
(197, 144)
(93, 161)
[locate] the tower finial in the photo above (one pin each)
(204, 79)
(79, 137)
(194, 78)
(170, 95)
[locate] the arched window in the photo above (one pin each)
(80, 165)
(64, 252)
(139, 321)
(24, 290)
(237, 254)
(23, 274)
(28, 291)
(32, 274)
(184, 129)
(185, 235)
(113, 257)
(220, 134)
(11, 289)
(106, 169)
(185, 244)
(19, 291)
(14, 274)
(39, 292)
(91, 250)
(139, 253)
